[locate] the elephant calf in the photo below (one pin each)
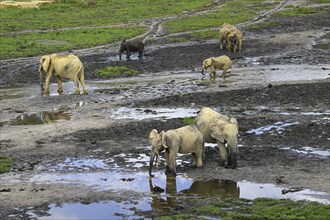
(222, 63)
(220, 129)
(187, 139)
(135, 45)
(64, 66)
(232, 36)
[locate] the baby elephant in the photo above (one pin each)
(187, 139)
(135, 45)
(222, 63)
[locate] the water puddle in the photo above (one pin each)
(160, 193)
(323, 43)
(279, 127)
(165, 193)
(45, 117)
(164, 113)
(310, 150)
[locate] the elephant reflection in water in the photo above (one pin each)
(51, 117)
(219, 188)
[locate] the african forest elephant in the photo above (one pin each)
(135, 45)
(220, 129)
(222, 63)
(64, 66)
(187, 139)
(232, 36)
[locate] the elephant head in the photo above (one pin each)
(156, 141)
(206, 64)
(225, 131)
(122, 48)
(44, 66)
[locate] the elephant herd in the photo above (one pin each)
(209, 127)
(70, 66)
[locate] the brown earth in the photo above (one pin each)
(92, 132)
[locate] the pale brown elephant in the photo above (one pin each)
(64, 66)
(232, 36)
(187, 139)
(220, 129)
(222, 63)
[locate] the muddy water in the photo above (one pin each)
(158, 194)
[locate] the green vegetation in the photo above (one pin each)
(34, 44)
(321, 1)
(233, 12)
(5, 164)
(297, 11)
(189, 120)
(116, 71)
(260, 208)
(71, 24)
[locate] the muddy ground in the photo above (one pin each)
(278, 90)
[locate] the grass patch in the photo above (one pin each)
(74, 23)
(261, 208)
(5, 164)
(321, 1)
(189, 120)
(117, 71)
(34, 44)
(297, 11)
(228, 13)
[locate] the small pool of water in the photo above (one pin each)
(45, 117)
(141, 114)
(279, 127)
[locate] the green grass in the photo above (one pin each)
(70, 24)
(321, 1)
(260, 208)
(5, 164)
(233, 12)
(297, 11)
(117, 71)
(189, 120)
(34, 44)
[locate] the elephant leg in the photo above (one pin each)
(77, 92)
(167, 168)
(221, 44)
(47, 84)
(60, 86)
(224, 74)
(172, 163)
(223, 154)
(194, 158)
(128, 55)
(140, 54)
(82, 81)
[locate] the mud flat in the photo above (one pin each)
(77, 155)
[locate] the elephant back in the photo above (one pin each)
(203, 121)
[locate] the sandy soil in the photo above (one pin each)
(278, 90)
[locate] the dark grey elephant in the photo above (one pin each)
(135, 45)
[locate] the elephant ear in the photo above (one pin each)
(213, 62)
(233, 121)
(45, 62)
(162, 134)
(153, 135)
(217, 131)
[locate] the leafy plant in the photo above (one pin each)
(5, 164)
(116, 71)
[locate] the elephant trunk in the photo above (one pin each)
(152, 159)
(203, 71)
(40, 78)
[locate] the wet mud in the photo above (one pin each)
(82, 154)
